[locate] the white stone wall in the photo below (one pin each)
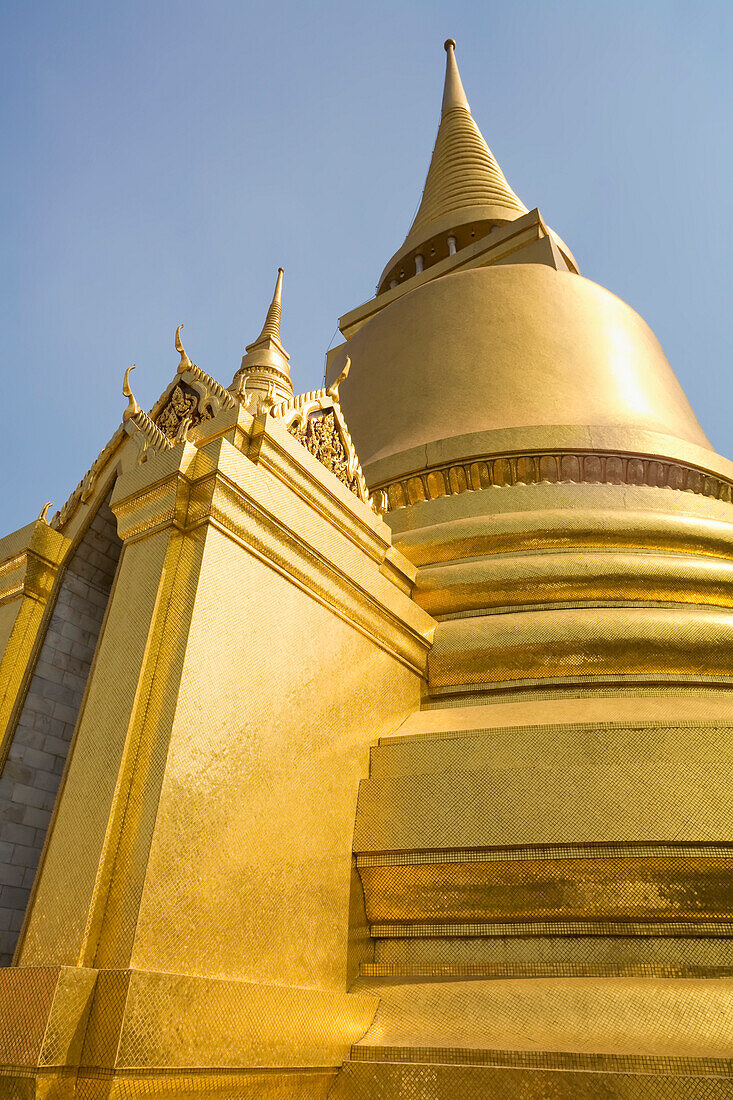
(32, 773)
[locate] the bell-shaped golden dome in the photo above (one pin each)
(507, 348)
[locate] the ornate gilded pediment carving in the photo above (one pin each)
(195, 397)
(316, 420)
(183, 403)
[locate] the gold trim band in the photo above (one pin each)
(540, 1059)
(405, 930)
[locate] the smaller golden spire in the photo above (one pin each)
(453, 93)
(269, 340)
(271, 327)
(265, 371)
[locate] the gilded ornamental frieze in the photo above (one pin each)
(592, 467)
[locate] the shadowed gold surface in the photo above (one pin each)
(678, 887)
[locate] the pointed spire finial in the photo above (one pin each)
(453, 93)
(271, 326)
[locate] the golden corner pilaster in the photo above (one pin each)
(29, 564)
(154, 494)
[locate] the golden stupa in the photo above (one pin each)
(373, 743)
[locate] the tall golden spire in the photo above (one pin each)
(465, 188)
(265, 370)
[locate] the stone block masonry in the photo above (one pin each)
(32, 774)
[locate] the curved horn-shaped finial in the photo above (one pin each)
(43, 514)
(185, 363)
(333, 389)
(132, 406)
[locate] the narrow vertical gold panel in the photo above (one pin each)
(102, 1035)
(66, 1025)
(56, 926)
(140, 781)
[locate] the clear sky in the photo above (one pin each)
(161, 159)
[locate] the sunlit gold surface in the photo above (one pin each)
(424, 804)
(506, 347)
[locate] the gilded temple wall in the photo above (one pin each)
(40, 743)
(270, 738)
(259, 637)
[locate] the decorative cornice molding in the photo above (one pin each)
(218, 500)
(191, 489)
(589, 467)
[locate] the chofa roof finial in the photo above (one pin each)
(333, 389)
(185, 363)
(132, 406)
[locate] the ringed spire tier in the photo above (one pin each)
(466, 193)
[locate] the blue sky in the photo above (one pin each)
(161, 159)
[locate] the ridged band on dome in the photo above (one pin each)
(592, 467)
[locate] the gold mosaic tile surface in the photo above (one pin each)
(386, 1081)
(654, 1017)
